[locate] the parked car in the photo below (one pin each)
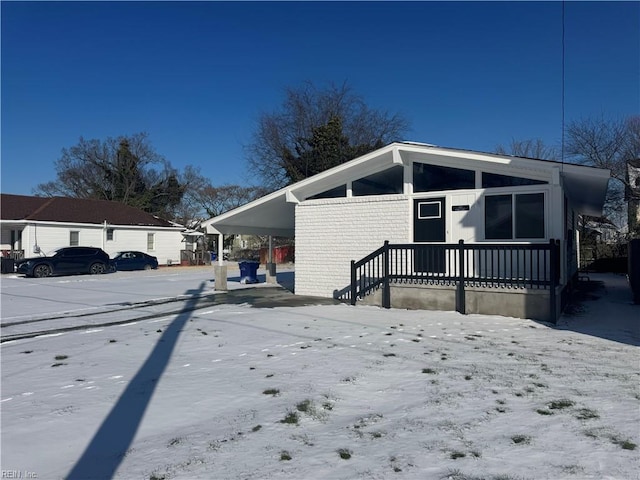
(132, 260)
(65, 261)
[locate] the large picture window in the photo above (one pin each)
(517, 216)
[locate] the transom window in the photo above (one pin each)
(337, 192)
(495, 180)
(432, 178)
(390, 181)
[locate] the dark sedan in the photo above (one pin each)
(66, 261)
(132, 260)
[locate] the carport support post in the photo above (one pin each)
(220, 270)
(271, 265)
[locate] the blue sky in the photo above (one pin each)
(196, 76)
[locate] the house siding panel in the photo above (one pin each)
(50, 237)
(331, 233)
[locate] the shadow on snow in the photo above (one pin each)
(107, 448)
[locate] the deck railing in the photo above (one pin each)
(488, 265)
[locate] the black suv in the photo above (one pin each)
(67, 260)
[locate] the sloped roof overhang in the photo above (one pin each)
(274, 214)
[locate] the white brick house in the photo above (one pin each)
(410, 193)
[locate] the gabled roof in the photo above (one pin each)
(75, 210)
(274, 214)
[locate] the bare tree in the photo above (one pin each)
(119, 169)
(531, 148)
(605, 143)
(285, 135)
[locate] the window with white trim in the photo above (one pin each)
(151, 241)
(74, 238)
(109, 234)
(514, 216)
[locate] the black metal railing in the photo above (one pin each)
(480, 264)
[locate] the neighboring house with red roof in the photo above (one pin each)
(31, 226)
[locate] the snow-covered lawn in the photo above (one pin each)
(325, 392)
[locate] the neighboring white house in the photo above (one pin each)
(31, 226)
(420, 194)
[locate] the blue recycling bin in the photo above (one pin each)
(248, 271)
(214, 257)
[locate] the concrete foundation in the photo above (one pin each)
(220, 275)
(509, 302)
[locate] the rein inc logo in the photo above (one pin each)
(17, 474)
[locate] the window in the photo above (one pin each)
(498, 217)
(74, 238)
(428, 210)
(494, 180)
(500, 222)
(337, 192)
(109, 234)
(530, 215)
(150, 241)
(431, 178)
(390, 181)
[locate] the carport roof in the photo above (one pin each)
(274, 214)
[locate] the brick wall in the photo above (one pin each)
(330, 233)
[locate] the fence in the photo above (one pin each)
(463, 265)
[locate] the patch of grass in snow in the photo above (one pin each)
(175, 441)
(544, 411)
(455, 455)
(27, 351)
(157, 476)
(271, 391)
(624, 444)
(389, 355)
(285, 456)
(521, 439)
(327, 406)
(429, 370)
(58, 364)
(113, 340)
(586, 414)
(468, 377)
(256, 428)
(344, 453)
(291, 418)
(306, 406)
(61, 357)
(560, 404)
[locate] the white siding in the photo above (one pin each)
(168, 243)
(330, 233)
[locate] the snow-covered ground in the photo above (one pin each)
(327, 392)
